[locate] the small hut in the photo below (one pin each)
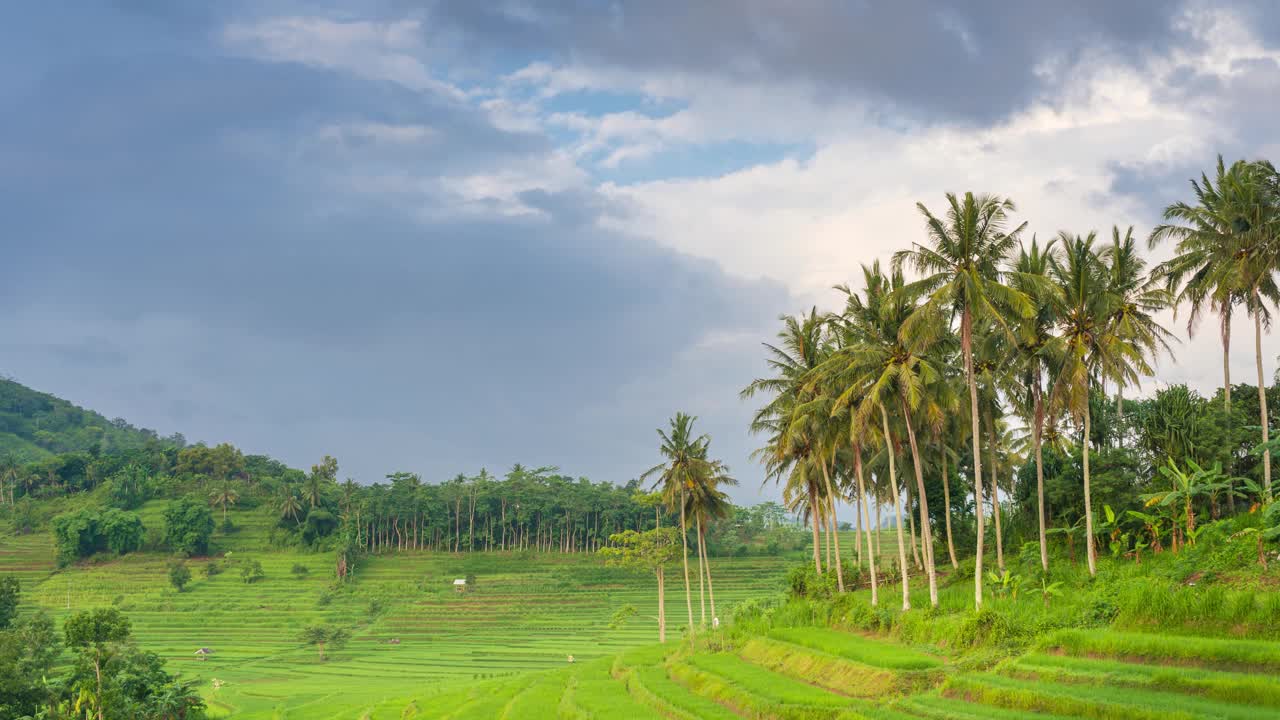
(460, 584)
(202, 653)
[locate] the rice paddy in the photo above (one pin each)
(419, 649)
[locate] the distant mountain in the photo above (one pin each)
(35, 425)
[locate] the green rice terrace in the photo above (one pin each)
(523, 613)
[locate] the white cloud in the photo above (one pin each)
(385, 51)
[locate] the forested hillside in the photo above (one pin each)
(35, 425)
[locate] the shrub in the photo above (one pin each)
(251, 571)
(299, 570)
(211, 568)
(179, 575)
(188, 524)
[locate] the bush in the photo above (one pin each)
(84, 532)
(251, 571)
(179, 575)
(211, 568)
(299, 570)
(188, 524)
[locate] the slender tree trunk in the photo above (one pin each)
(910, 524)
(97, 670)
(684, 558)
(995, 494)
(702, 591)
(662, 606)
(926, 530)
(1088, 497)
(897, 508)
(857, 535)
(966, 342)
(1037, 425)
(879, 538)
(817, 545)
(865, 520)
(826, 478)
(1224, 318)
(1262, 398)
(946, 498)
(711, 593)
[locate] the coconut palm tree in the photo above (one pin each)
(290, 505)
(791, 449)
(961, 273)
(1086, 346)
(224, 496)
(884, 372)
(1138, 298)
(683, 470)
(1225, 256)
(1030, 275)
(707, 503)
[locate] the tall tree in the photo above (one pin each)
(1088, 346)
(684, 468)
(961, 273)
(1224, 255)
(1030, 276)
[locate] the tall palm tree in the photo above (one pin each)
(1030, 276)
(1087, 346)
(225, 495)
(961, 274)
(1138, 298)
(684, 468)
(1224, 256)
(790, 449)
(707, 503)
(885, 372)
(290, 505)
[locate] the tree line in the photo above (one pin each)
(989, 386)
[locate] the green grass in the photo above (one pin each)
(858, 648)
(1095, 701)
(765, 683)
(938, 707)
(831, 672)
(1222, 686)
(593, 694)
(526, 613)
(1171, 649)
(650, 685)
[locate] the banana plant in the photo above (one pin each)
(1049, 589)
(1005, 583)
(1154, 524)
(1187, 486)
(1071, 532)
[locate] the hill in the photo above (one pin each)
(35, 425)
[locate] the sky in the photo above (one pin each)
(440, 236)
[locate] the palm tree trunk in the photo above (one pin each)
(817, 544)
(1088, 498)
(911, 525)
(1224, 331)
(702, 595)
(1262, 398)
(684, 559)
(946, 498)
(662, 607)
(897, 508)
(926, 531)
(826, 478)
(966, 343)
(1036, 428)
(857, 535)
(711, 593)
(995, 492)
(865, 521)
(826, 530)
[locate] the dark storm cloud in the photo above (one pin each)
(206, 244)
(970, 61)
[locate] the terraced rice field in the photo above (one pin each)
(1112, 676)
(411, 632)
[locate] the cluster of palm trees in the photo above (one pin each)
(995, 327)
(688, 481)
